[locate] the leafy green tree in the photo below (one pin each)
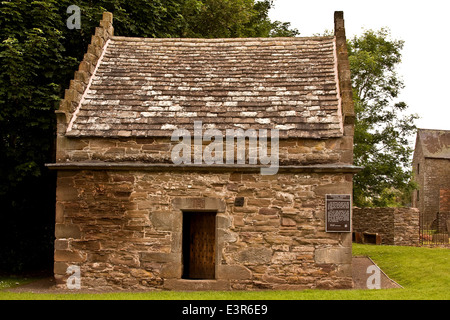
(382, 125)
(231, 19)
(31, 60)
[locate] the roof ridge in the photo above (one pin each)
(221, 40)
(424, 129)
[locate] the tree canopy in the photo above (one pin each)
(382, 125)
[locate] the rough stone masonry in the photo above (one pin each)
(131, 219)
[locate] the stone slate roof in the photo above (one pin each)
(149, 87)
(435, 143)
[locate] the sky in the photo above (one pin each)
(424, 27)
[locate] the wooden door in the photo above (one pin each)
(200, 263)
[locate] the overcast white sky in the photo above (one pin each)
(423, 25)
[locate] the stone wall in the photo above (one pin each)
(123, 228)
(437, 178)
(396, 226)
(418, 164)
(158, 150)
(432, 176)
(406, 226)
(444, 200)
(443, 216)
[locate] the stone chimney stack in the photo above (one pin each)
(345, 86)
(345, 81)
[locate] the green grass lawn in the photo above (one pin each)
(10, 282)
(424, 274)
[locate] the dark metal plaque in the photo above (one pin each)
(338, 212)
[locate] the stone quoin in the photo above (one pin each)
(131, 218)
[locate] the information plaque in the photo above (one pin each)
(338, 212)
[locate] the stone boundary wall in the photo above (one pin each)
(395, 226)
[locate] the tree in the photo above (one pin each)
(32, 64)
(382, 127)
(232, 19)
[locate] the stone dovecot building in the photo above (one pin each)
(431, 168)
(130, 215)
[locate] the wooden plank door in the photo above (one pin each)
(202, 238)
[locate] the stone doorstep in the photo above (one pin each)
(196, 285)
